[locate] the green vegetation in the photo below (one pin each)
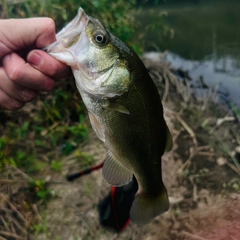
(55, 124)
(41, 227)
(110, 13)
(193, 31)
(39, 190)
(44, 131)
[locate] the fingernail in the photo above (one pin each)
(35, 59)
(6, 59)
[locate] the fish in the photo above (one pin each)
(124, 108)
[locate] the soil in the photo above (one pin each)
(201, 178)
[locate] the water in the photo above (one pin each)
(203, 39)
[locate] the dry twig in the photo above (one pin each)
(17, 212)
(35, 210)
(192, 236)
(9, 234)
(188, 129)
(21, 173)
(19, 226)
(7, 181)
(233, 167)
(192, 153)
(4, 223)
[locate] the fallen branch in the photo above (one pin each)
(207, 154)
(8, 234)
(4, 223)
(9, 220)
(174, 200)
(35, 210)
(188, 129)
(192, 153)
(233, 167)
(6, 181)
(19, 226)
(24, 175)
(17, 212)
(192, 236)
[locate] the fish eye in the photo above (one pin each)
(100, 38)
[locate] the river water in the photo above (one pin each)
(202, 38)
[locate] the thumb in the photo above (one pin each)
(45, 34)
(19, 33)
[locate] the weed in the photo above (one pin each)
(56, 166)
(40, 190)
(235, 110)
(63, 11)
(41, 227)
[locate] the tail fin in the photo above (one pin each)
(146, 207)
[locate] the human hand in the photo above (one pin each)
(24, 70)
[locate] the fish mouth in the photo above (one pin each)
(67, 37)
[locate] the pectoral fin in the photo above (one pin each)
(97, 127)
(114, 172)
(117, 107)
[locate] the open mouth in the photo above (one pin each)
(70, 34)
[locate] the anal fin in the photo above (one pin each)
(114, 172)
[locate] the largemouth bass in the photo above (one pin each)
(124, 108)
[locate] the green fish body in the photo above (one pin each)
(124, 108)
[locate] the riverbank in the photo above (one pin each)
(200, 174)
(203, 39)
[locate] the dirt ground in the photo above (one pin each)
(202, 181)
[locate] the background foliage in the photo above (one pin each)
(54, 125)
(115, 15)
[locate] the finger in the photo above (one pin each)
(8, 103)
(48, 65)
(15, 91)
(23, 74)
(38, 32)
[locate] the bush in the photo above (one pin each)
(116, 15)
